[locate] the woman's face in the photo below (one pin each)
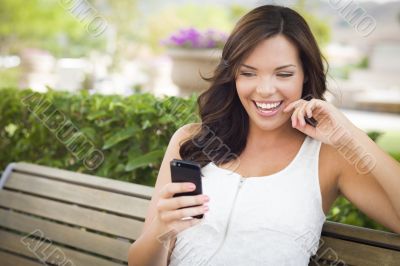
(269, 79)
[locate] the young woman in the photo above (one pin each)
(269, 178)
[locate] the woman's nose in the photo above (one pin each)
(266, 87)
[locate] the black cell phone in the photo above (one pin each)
(311, 121)
(187, 171)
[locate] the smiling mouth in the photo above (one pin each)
(265, 108)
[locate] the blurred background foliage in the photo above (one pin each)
(132, 153)
(132, 31)
(43, 24)
(52, 26)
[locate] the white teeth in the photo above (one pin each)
(267, 105)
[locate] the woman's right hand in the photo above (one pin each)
(169, 215)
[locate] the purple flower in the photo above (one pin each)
(192, 38)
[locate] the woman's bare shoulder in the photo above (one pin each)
(187, 131)
(192, 127)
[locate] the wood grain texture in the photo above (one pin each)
(72, 214)
(49, 252)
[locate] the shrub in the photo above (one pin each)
(131, 132)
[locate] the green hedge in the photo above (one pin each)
(131, 132)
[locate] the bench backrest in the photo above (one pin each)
(67, 218)
(343, 244)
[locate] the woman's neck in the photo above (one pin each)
(263, 139)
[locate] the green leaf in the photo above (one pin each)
(96, 115)
(144, 160)
(146, 124)
(120, 136)
(89, 132)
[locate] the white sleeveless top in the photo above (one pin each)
(268, 220)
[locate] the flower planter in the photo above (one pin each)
(37, 61)
(37, 69)
(187, 64)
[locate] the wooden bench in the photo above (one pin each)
(65, 218)
(89, 220)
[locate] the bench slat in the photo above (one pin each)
(357, 254)
(361, 234)
(8, 259)
(62, 234)
(99, 199)
(84, 179)
(67, 213)
(12, 242)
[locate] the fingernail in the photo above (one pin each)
(191, 186)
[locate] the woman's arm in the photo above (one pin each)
(152, 247)
(369, 177)
(148, 249)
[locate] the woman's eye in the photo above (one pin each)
(285, 75)
(246, 74)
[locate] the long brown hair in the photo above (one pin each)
(224, 121)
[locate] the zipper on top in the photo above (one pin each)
(241, 181)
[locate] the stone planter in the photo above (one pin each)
(37, 61)
(37, 69)
(186, 65)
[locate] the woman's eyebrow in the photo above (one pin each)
(284, 66)
(249, 66)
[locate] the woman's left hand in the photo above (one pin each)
(333, 128)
